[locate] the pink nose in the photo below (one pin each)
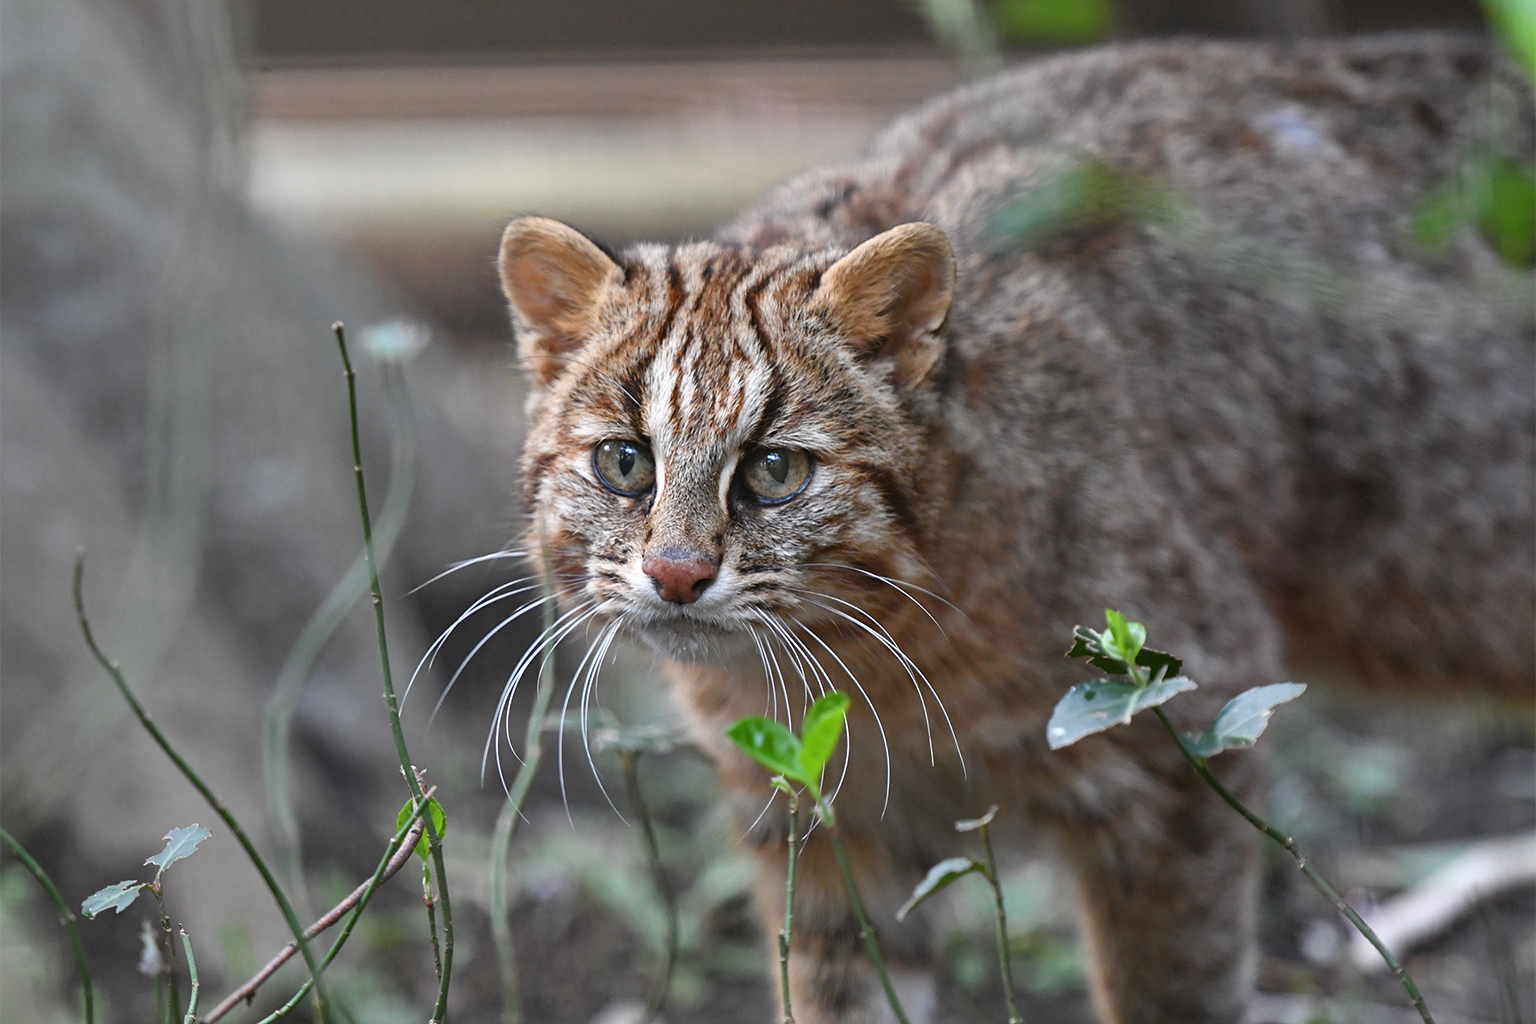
(679, 576)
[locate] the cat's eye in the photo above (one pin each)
(624, 466)
(776, 474)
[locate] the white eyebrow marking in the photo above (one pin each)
(727, 474)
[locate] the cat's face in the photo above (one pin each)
(719, 448)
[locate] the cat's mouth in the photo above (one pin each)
(694, 639)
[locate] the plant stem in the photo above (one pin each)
(197, 782)
(1002, 929)
(512, 809)
(396, 855)
(426, 897)
(788, 934)
(658, 998)
(167, 944)
(871, 943)
(1302, 862)
(294, 675)
(434, 841)
(66, 918)
(186, 944)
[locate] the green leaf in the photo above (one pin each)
(180, 843)
(1507, 215)
(439, 823)
(118, 897)
(1498, 195)
(1089, 193)
(1125, 639)
(1243, 719)
(820, 731)
(1093, 707)
(1515, 22)
(770, 745)
(1054, 22)
(940, 875)
(1088, 644)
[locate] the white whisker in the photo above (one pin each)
(546, 642)
(485, 600)
(900, 586)
(877, 630)
(456, 566)
(865, 694)
(503, 624)
(576, 677)
(604, 640)
(823, 683)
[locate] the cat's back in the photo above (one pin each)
(1193, 265)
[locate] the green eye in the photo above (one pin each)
(625, 467)
(776, 474)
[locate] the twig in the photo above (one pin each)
(66, 918)
(357, 913)
(213, 801)
(167, 943)
(1322, 884)
(658, 997)
(398, 853)
(871, 943)
(434, 841)
(788, 934)
(511, 811)
(1002, 926)
(322, 625)
(186, 944)
(426, 897)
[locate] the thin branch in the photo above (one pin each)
(66, 918)
(186, 944)
(186, 770)
(786, 937)
(401, 846)
(294, 675)
(434, 841)
(1002, 927)
(867, 933)
(167, 943)
(1302, 862)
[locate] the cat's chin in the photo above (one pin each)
(693, 641)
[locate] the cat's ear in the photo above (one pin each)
(556, 280)
(889, 297)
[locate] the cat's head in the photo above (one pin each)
(721, 441)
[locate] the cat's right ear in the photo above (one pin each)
(556, 281)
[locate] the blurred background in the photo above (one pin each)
(191, 193)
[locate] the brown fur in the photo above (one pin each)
(1268, 426)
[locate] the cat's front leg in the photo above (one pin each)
(832, 979)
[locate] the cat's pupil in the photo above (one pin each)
(626, 460)
(777, 465)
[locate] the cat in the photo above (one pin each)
(871, 437)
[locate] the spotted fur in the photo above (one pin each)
(1268, 468)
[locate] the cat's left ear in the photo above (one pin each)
(889, 297)
(556, 280)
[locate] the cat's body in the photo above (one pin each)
(1262, 423)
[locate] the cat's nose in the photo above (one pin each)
(679, 576)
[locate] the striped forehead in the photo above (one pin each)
(712, 375)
